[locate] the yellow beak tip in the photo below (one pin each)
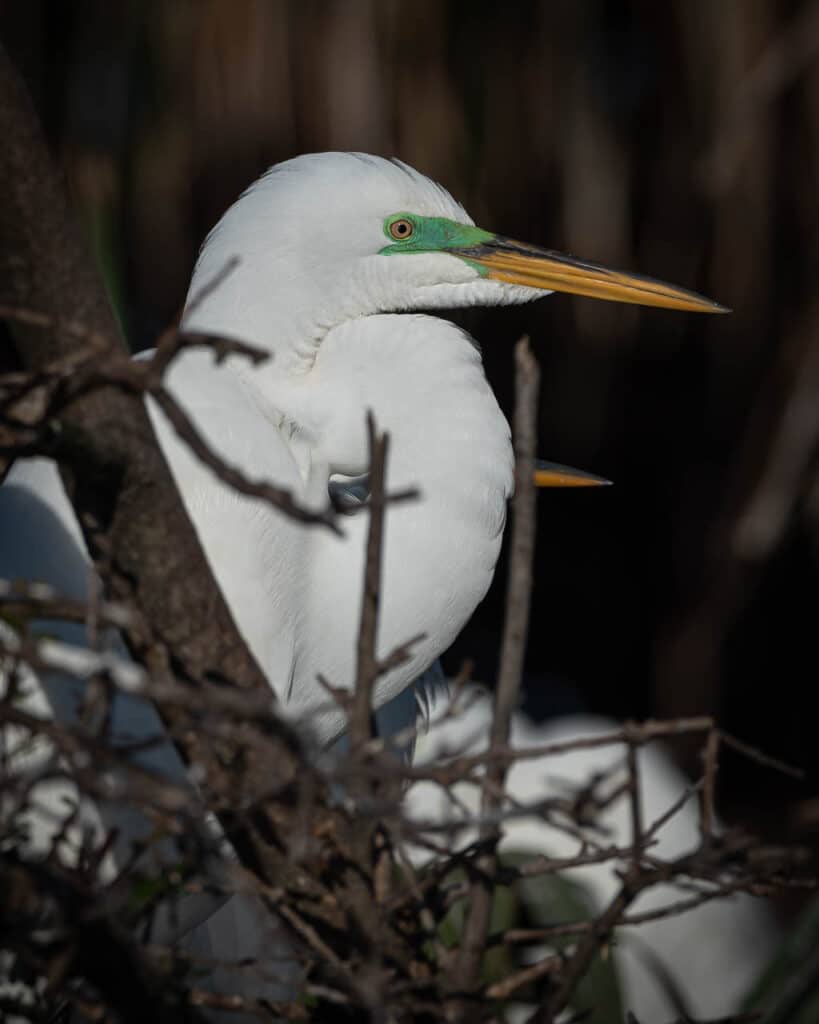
(552, 474)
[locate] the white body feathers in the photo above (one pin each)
(312, 288)
(714, 953)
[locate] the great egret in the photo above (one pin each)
(341, 257)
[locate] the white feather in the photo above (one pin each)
(714, 953)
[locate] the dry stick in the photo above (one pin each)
(527, 380)
(672, 909)
(278, 497)
(635, 805)
(504, 988)
(461, 766)
(668, 814)
(593, 939)
(174, 341)
(458, 767)
(761, 758)
(710, 762)
(367, 666)
(597, 931)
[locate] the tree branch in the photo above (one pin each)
(115, 475)
(516, 624)
(368, 667)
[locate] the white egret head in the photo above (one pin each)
(330, 237)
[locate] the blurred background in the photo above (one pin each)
(678, 139)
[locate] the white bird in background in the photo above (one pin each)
(341, 258)
(712, 954)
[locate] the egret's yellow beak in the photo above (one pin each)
(503, 259)
(552, 474)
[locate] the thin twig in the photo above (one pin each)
(634, 805)
(367, 669)
(512, 982)
(473, 942)
(753, 754)
(710, 765)
(279, 497)
(460, 766)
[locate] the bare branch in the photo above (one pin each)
(367, 666)
(278, 497)
(511, 667)
(710, 764)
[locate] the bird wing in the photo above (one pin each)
(255, 552)
(40, 541)
(248, 549)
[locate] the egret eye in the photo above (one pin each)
(401, 229)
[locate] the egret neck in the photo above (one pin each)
(440, 550)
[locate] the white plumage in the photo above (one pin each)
(332, 249)
(312, 288)
(714, 953)
(338, 255)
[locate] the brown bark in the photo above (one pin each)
(116, 477)
(115, 474)
(149, 557)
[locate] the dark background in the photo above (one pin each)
(680, 139)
